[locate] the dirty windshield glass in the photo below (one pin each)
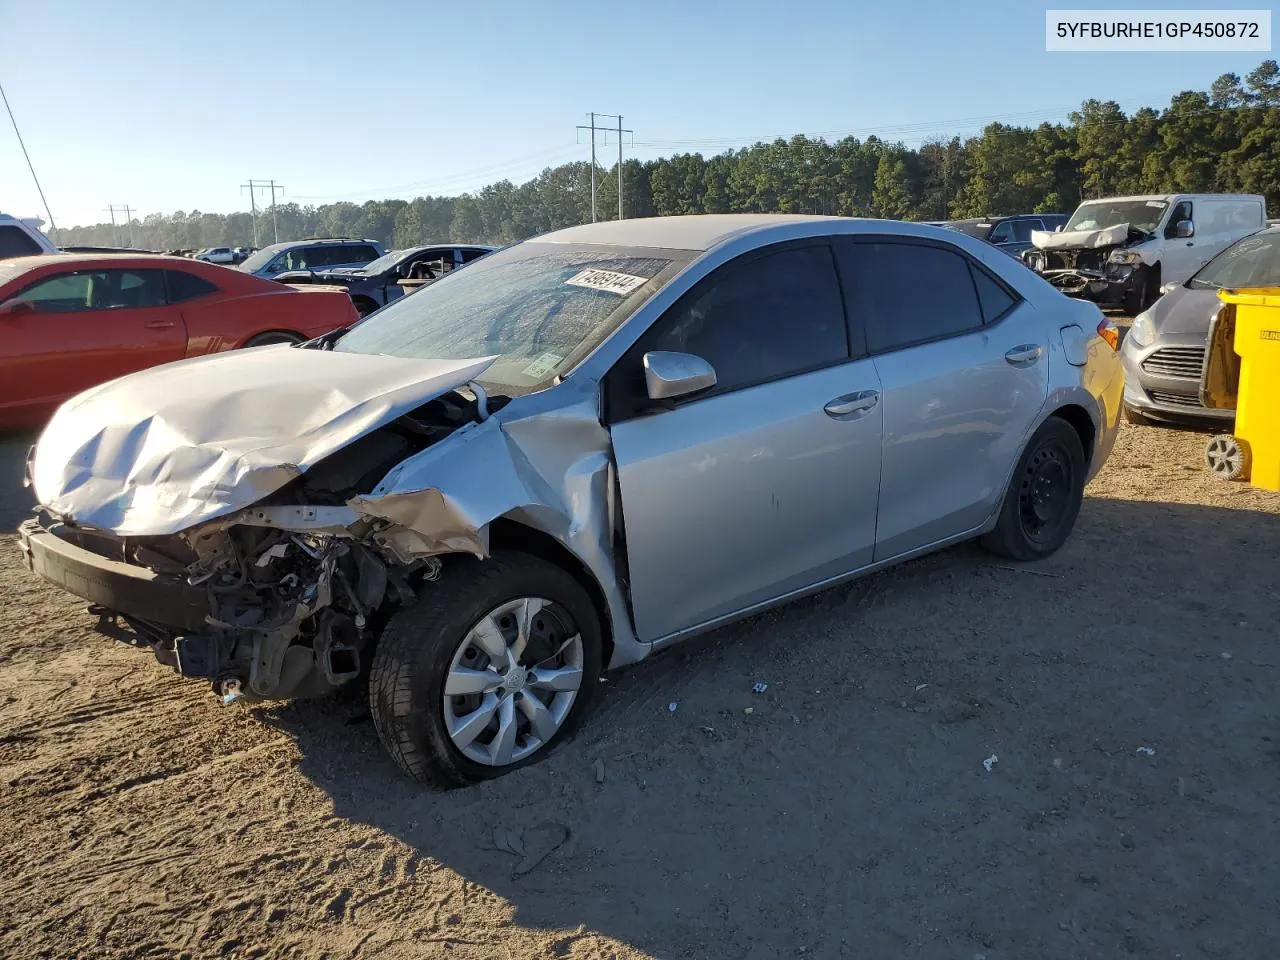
(257, 261)
(1142, 215)
(1251, 262)
(538, 307)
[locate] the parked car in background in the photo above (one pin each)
(241, 254)
(1164, 350)
(22, 237)
(312, 255)
(1120, 251)
(674, 423)
(377, 284)
(223, 255)
(1010, 234)
(70, 322)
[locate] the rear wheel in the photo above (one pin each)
(276, 336)
(486, 671)
(1043, 500)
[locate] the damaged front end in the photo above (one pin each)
(280, 600)
(1096, 265)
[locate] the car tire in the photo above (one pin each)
(1044, 496)
(441, 638)
(278, 336)
(1137, 419)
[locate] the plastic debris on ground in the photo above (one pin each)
(759, 687)
(1146, 751)
(990, 762)
(671, 707)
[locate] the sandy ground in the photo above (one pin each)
(1126, 689)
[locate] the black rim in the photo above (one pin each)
(1044, 495)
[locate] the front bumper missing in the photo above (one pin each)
(115, 586)
(1093, 284)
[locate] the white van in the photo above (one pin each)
(22, 237)
(1119, 251)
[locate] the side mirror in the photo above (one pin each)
(1184, 229)
(670, 376)
(16, 308)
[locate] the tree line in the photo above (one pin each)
(1225, 139)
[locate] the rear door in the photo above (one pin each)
(963, 368)
(87, 327)
(768, 482)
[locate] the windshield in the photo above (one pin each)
(384, 262)
(260, 259)
(1142, 215)
(538, 307)
(1251, 262)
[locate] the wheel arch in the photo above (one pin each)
(1081, 421)
(506, 533)
(257, 338)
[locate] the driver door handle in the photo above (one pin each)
(1024, 354)
(851, 406)
(159, 324)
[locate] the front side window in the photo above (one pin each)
(909, 293)
(760, 318)
(1003, 233)
(539, 308)
(1181, 212)
(97, 290)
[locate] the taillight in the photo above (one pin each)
(1109, 332)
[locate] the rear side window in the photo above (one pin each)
(469, 255)
(996, 301)
(761, 319)
(16, 243)
(908, 293)
(357, 253)
(186, 286)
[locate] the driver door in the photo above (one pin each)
(766, 483)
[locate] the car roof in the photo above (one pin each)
(225, 277)
(1178, 196)
(312, 242)
(698, 232)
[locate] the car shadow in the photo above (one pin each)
(950, 759)
(16, 501)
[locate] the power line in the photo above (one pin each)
(471, 175)
(30, 166)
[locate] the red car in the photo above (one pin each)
(69, 322)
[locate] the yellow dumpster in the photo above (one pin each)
(1242, 371)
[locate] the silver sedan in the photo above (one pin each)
(579, 450)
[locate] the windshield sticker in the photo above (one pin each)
(1155, 203)
(543, 365)
(607, 280)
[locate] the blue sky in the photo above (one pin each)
(171, 105)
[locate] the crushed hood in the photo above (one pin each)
(161, 450)
(1081, 239)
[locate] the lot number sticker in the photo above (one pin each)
(607, 280)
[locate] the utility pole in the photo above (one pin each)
(115, 237)
(273, 187)
(592, 127)
(253, 209)
(128, 218)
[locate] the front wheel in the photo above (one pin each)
(486, 671)
(1044, 497)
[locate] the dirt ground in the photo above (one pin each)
(1124, 691)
